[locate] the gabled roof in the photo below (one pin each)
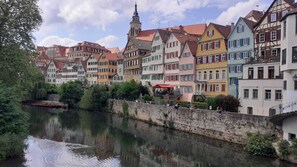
(257, 15)
(196, 29)
(224, 30)
(147, 35)
(164, 34)
(248, 22)
(193, 47)
(42, 55)
(290, 2)
(182, 38)
(114, 49)
(111, 56)
(59, 64)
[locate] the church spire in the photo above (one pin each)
(135, 24)
(135, 11)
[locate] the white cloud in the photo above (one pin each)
(240, 9)
(108, 41)
(55, 40)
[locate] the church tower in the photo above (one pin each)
(135, 25)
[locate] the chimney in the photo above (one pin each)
(232, 26)
(181, 29)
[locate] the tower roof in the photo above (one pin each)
(135, 11)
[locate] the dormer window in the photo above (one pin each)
(210, 33)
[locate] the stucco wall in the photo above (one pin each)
(230, 127)
(289, 126)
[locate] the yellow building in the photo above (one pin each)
(212, 62)
(107, 67)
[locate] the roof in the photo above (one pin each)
(292, 12)
(114, 50)
(193, 47)
(59, 64)
(111, 56)
(164, 34)
(147, 35)
(249, 23)
(257, 15)
(224, 30)
(164, 86)
(42, 55)
(182, 38)
(197, 29)
(290, 2)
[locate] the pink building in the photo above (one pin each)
(187, 68)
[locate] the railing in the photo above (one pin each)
(283, 108)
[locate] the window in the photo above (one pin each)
(278, 94)
(217, 74)
(210, 75)
(294, 54)
(270, 72)
(255, 93)
(250, 110)
(274, 52)
(291, 136)
(210, 33)
(239, 68)
(217, 44)
(262, 37)
(217, 88)
(209, 59)
(260, 72)
(204, 59)
(205, 75)
(223, 57)
(251, 73)
(284, 56)
(246, 93)
(279, 2)
(285, 85)
(273, 17)
(273, 35)
(267, 94)
(199, 76)
(217, 58)
(284, 13)
(223, 74)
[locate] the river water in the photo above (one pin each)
(78, 138)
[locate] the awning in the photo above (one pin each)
(164, 86)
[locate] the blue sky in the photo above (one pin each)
(66, 22)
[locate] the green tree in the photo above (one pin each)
(260, 144)
(99, 96)
(13, 123)
(129, 90)
(71, 93)
(229, 103)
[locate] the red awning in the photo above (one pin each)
(164, 86)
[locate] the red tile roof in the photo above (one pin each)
(257, 15)
(146, 35)
(193, 47)
(111, 56)
(114, 50)
(59, 64)
(197, 29)
(224, 30)
(182, 38)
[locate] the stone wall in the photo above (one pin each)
(230, 127)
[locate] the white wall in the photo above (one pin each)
(289, 126)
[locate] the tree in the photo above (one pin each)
(99, 96)
(229, 103)
(18, 19)
(13, 123)
(128, 90)
(71, 93)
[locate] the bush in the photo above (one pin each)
(11, 145)
(211, 101)
(71, 93)
(259, 144)
(229, 103)
(184, 104)
(148, 98)
(284, 149)
(200, 105)
(293, 148)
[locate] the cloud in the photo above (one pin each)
(55, 40)
(108, 41)
(240, 9)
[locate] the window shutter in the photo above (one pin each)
(229, 56)
(206, 59)
(241, 55)
(257, 38)
(201, 47)
(213, 58)
(208, 33)
(220, 58)
(205, 86)
(248, 41)
(201, 60)
(212, 45)
(210, 88)
(229, 68)
(241, 42)
(214, 87)
(235, 70)
(212, 32)
(234, 42)
(267, 37)
(278, 33)
(223, 88)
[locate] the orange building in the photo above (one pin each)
(107, 67)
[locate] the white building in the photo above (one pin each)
(119, 77)
(260, 90)
(53, 72)
(73, 71)
(289, 61)
(153, 64)
(92, 69)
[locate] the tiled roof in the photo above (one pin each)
(42, 55)
(114, 50)
(164, 34)
(257, 15)
(147, 35)
(182, 38)
(197, 29)
(59, 64)
(193, 47)
(224, 30)
(249, 23)
(112, 56)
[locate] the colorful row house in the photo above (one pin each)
(212, 64)
(107, 68)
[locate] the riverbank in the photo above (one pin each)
(44, 103)
(231, 127)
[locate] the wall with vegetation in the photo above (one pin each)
(230, 127)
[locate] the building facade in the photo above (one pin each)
(85, 49)
(289, 61)
(107, 68)
(187, 70)
(212, 73)
(240, 50)
(92, 69)
(260, 90)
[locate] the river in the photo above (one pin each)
(79, 138)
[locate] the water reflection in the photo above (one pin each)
(79, 138)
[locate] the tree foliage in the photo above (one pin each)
(260, 144)
(13, 123)
(71, 93)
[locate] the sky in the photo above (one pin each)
(67, 22)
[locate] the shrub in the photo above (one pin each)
(229, 103)
(200, 105)
(284, 149)
(148, 98)
(211, 101)
(293, 148)
(259, 144)
(184, 104)
(71, 93)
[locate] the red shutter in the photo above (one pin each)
(213, 45)
(223, 88)
(213, 58)
(201, 60)
(267, 36)
(208, 33)
(201, 47)
(220, 58)
(214, 88)
(212, 32)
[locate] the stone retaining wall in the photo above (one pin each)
(232, 127)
